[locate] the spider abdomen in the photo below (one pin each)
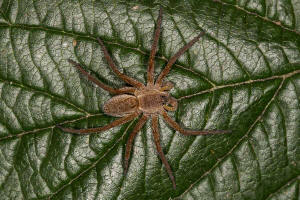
(121, 105)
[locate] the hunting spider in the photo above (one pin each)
(148, 100)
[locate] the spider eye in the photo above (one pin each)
(164, 99)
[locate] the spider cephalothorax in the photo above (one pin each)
(148, 100)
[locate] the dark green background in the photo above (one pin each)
(243, 75)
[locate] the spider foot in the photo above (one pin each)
(72, 61)
(125, 167)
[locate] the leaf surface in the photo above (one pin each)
(243, 75)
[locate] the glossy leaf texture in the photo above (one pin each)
(243, 75)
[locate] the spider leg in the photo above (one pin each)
(176, 126)
(160, 152)
(166, 86)
(129, 143)
(87, 131)
(150, 73)
(173, 59)
(125, 78)
(100, 84)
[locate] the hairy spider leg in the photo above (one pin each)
(150, 73)
(176, 126)
(110, 62)
(100, 84)
(166, 86)
(173, 59)
(156, 136)
(87, 131)
(129, 143)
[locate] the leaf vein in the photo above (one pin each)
(239, 141)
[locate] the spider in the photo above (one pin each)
(150, 101)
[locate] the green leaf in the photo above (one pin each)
(243, 75)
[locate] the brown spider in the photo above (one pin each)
(149, 100)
